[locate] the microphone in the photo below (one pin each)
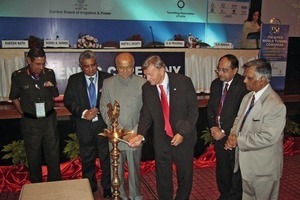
(152, 36)
(57, 37)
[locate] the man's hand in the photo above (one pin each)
(231, 142)
(217, 133)
(135, 141)
(177, 139)
(129, 135)
(91, 114)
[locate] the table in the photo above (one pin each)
(199, 63)
(78, 189)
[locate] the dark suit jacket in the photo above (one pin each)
(76, 99)
(183, 111)
(235, 94)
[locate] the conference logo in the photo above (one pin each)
(180, 4)
(80, 5)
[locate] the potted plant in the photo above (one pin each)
(291, 128)
(206, 136)
(16, 152)
(71, 150)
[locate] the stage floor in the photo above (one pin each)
(204, 185)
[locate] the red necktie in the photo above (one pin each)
(166, 111)
(224, 93)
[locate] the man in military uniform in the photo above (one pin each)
(33, 89)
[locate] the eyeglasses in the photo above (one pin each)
(123, 68)
(218, 70)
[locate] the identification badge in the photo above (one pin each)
(40, 110)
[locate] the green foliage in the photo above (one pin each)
(71, 150)
(292, 128)
(206, 136)
(16, 152)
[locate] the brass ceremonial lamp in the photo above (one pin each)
(114, 136)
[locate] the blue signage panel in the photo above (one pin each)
(66, 63)
(274, 47)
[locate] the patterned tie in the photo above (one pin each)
(92, 93)
(224, 93)
(166, 111)
(248, 111)
(236, 161)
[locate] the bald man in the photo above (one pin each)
(126, 88)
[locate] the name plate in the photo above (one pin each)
(223, 45)
(130, 44)
(15, 44)
(56, 43)
(174, 43)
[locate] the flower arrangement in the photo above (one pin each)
(193, 42)
(87, 42)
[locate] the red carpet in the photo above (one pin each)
(204, 186)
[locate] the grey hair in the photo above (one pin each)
(154, 60)
(262, 67)
(86, 55)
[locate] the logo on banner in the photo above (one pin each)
(80, 5)
(180, 4)
(275, 25)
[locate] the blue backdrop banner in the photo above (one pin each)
(274, 47)
(65, 64)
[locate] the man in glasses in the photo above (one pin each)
(226, 94)
(126, 88)
(81, 98)
(33, 89)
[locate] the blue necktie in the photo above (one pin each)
(248, 111)
(92, 93)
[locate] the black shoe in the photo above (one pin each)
(107, 193)
(94, 190)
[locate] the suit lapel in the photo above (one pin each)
(100, 83)
(256, 108)
(172, 90)
(245, 126)
(83, 88)
(155, 101)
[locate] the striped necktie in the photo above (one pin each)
(248, 111)
(92, 93)
(224, 93)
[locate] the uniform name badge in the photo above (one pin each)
(40, 110)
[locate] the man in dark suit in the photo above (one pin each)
(82, 101)
(226, 94)
(173, 144)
